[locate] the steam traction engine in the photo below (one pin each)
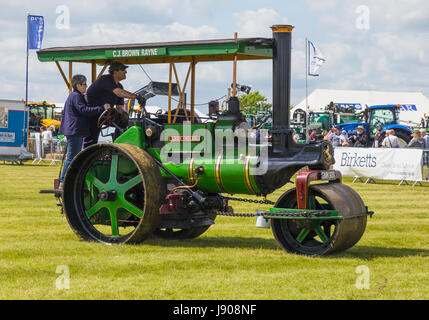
(171, 179)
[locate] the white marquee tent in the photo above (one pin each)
(414, 104)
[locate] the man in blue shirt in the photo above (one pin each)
(335, 138)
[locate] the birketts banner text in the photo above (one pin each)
(380, 163)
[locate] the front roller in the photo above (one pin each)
(112, 194)
(320, 237)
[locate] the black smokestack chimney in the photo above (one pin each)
(282, 47)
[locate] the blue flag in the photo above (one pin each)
(36, 27)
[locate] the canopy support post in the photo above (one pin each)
(64, 76)
(70, 76)
(193, 90)
(93, 71)
(181, 93)
(102, 70)
(169, 92)
(234, 76)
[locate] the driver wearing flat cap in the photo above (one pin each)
(108, 90)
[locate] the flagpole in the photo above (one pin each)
(26, 90)
(307, 134)
(306, 73)
(26, 69)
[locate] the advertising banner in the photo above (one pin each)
(36, 27)
(7, 137)
(380, 163)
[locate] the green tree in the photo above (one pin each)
(253, 101)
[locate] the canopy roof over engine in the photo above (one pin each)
(163, 52)
(191, 52)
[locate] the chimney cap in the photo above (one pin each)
(282, 28)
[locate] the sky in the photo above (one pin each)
(368, 44)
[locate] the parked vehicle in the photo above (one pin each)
(384, 116)
(42, 114)
(14, 131)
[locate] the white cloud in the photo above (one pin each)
(405, 49)
(400, 15)
(256, 23)
(213, 72)
(182, 32)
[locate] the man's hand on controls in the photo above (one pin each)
(141, 100)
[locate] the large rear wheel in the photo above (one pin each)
(112, 194)
(328, 236)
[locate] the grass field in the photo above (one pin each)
(232, 260)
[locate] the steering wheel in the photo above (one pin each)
(108, 118)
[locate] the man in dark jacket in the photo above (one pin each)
(378, 139)
(75, 124)
(108, 90)
(361, 140)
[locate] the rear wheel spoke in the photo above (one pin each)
(94, 181)
(114, 221)
(131, 183)
(114, 170)
(302, 235)
(94, 209)
(132, 208)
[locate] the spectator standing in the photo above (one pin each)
(417, 141)
(344, 139)
(46, 139)
(331, 134)
(325, 135)
(391, 141)
(378, 139)
(335, 138)
(53, 130)
(295, 136)
(252, 132)
(42, 142)
(361, 139)
(425, 137)
(313, 135)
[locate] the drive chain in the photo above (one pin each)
(281, 214)
(265, 201)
